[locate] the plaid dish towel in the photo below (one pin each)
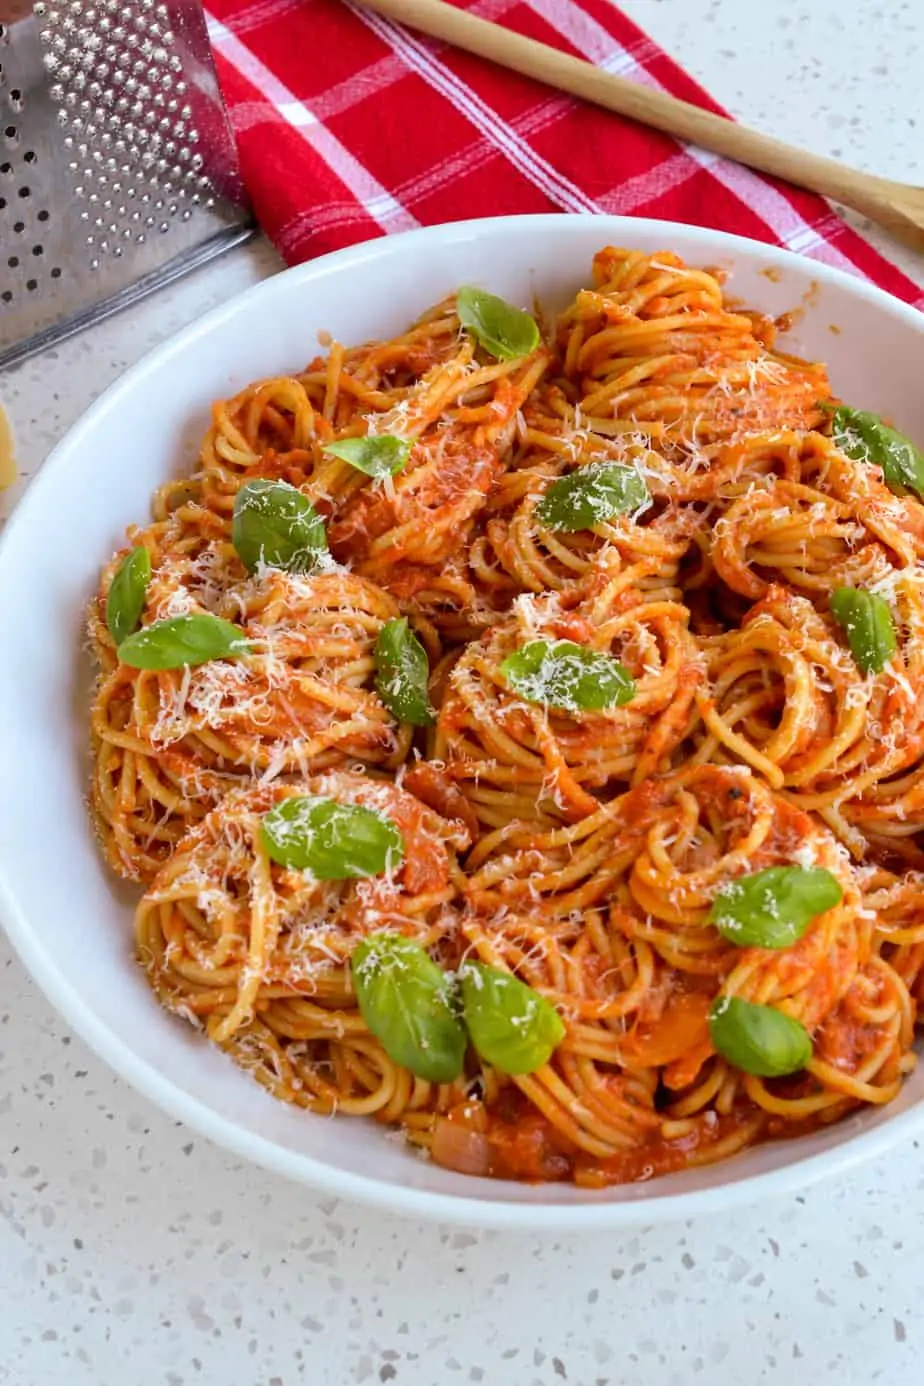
(350, 127)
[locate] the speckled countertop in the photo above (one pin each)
(132, 1251)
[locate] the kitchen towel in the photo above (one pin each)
(350, 127)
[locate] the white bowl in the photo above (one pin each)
(69, 922)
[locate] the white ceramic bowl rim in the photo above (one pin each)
(25, 932)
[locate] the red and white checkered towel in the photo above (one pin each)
(351, 127)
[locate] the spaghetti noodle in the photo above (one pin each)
(601, 746)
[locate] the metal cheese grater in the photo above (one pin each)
(118, 170)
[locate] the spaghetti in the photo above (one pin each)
(580, 668)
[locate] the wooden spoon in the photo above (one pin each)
(897, 206)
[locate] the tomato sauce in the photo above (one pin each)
(514, 1141)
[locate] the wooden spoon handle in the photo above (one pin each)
(862, 191)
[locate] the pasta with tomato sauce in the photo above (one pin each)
(515, 733)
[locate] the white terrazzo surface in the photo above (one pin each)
(131, 1251)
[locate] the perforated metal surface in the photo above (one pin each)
(117, 167)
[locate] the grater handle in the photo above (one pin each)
(210, 114)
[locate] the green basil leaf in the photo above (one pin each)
(506, 332)
(591, 495)
(334, 841)
(758, 1039)
(773, 908)
(561, 674)
(865, 438)
(867, 621)
(182, 640)
(511, 1026)
(409, 1004)
(275, 524)
(377, 455)
(402, 673)
(127, 591)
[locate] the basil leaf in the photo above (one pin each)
(506, 332)
(590, 496)
(409, 1004)
(334, 841)
(561, 674)
(275, 524)
(127, 591)
(758, 1039)
(865, 438)
(378, 455)
(868, 623)
(403, 673)
(182, 640)
(511, 1026)
(773, 908)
